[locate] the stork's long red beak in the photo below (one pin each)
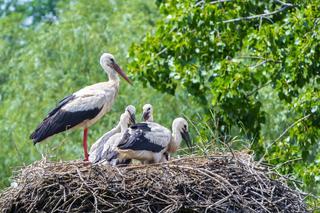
(120, 71)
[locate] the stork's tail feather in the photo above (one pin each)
(42, 132)
(50, 126)
(61, 121)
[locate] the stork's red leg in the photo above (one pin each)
(85, 145)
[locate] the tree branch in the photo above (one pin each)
(257, 58)
(283, 133)
(264, 15)
(292, 125)
(284, 3)
(212, 2)
(219, 1)
(258, 88)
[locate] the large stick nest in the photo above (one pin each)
(220, 183)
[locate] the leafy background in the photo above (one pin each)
(245, 74)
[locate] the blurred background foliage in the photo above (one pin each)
(245, 74)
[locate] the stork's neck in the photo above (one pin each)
(150, 119)
(112, 74)
(124, 126)
(175, 140)
(117, 128)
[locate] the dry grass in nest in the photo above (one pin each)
(218, 183)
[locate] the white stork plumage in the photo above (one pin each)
(148, 141)
(127, 118)
(84, 107)
(97, 147)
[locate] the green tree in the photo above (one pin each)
(232, 56)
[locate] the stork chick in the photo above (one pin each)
(147, 113)
(148, 141)
(147, 116)
(95, 153)
(109, 153)
(84, 107)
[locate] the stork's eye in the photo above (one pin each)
(112, 60)
(149, 109)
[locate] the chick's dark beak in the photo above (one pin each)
(186, 137)
(132, 118)
(145, 116)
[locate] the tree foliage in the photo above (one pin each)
(33, 12)
(233, 56)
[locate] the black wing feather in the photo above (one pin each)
(136, 140)
(61, 103)
(60, 120)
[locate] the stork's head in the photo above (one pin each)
(131, 110)
(109, 64)
(180, 125)
(147, 114)
(127, 118)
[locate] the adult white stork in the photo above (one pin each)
(84, 107)
(126, 119)
(148, 141)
